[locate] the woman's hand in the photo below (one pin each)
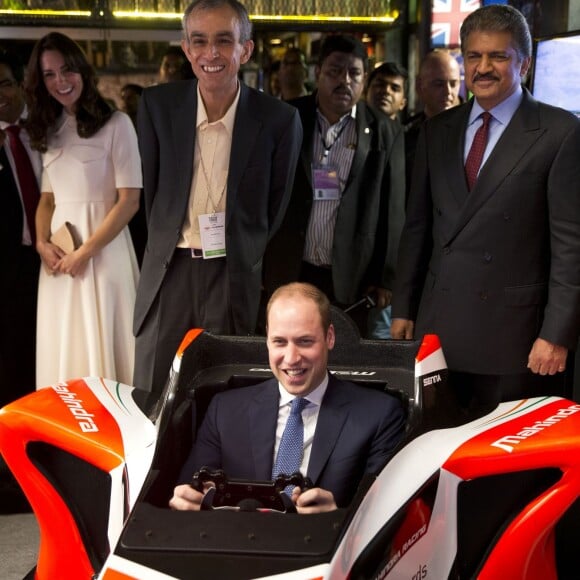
(50, 255)
(73, 264)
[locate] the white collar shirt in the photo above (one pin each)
(340, 140)
(501, 116)
(211, 161)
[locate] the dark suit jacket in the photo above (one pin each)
(371, 212)
(11, 217)
(356, 433)
(19, 268)
(265, 146)
(491, 270)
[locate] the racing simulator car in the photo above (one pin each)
(487, 495)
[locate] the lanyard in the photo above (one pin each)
(214, 205)
(327, 148)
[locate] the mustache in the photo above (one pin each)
(486, 77)
(342, 89)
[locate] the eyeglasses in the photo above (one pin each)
(336, 72)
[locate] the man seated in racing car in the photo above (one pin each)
(344, 430)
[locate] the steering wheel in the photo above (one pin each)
(247, 495)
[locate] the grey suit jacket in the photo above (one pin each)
(371, 212)
(491, 270)
(265, 147)
(356, 433)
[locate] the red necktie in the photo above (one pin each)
(26, 178)
(475, 155)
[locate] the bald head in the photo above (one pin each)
(438, 82)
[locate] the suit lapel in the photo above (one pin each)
(309, 125)
(12, 213)
(246, 130)
(183, 128)
(453, 144)
(365, 130)
(522, 132)
(263, 417)
(333, 414)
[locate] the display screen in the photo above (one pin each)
(556, 78)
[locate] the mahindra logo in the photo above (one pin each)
(75, 406)
(508, 442)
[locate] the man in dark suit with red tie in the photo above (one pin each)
(490, 253)
(19, 262)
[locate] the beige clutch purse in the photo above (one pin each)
(66, 238)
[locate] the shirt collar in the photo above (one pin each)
(350, 115)
(315, 397)
(227, 120)
(503, 112)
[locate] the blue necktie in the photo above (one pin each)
(291, 447)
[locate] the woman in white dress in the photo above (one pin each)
(91, 179)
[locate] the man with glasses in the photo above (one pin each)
(342, 227)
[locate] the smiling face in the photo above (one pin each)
(340, 82)
(62, 84)
(493, 68)
(11, 96)
(297, 343)
(214, 49)
(387, 93)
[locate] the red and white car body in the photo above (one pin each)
(480, 497)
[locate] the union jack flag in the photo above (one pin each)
(446, 19)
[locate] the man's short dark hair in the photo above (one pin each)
(14, 63)
(390, 69)
(173, 50)
(343, 43)
(137, 89)
(294, 50)
(499, 18)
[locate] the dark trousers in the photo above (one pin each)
(321, 277)
(18, 293)
(487, 391)
(194, 294)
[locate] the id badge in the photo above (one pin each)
(326, 184)
(212, 229)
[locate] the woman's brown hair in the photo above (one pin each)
(92, 111)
